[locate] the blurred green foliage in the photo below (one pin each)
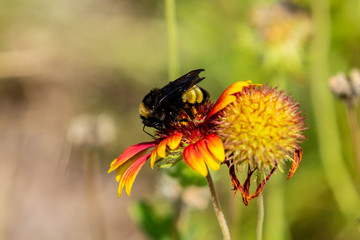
(185, 175)
(156, 225)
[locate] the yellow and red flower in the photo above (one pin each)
(261, 127)
(249, 125)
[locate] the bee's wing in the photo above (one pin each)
(173, 90)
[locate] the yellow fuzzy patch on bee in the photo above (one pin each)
(193, 95)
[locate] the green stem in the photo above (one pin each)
(276, 225)
(170, 7)
(354, 132)
(260, 217)
(216, 204)
(235, 215)
(336, 173)
(177, 205)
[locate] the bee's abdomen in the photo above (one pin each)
(193, 95)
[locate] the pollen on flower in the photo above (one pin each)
(262, 127)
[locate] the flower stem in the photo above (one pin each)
(170, 13)
(354, 131)
(260, 217)
(216, 204)
(276, 225)
(177, 205)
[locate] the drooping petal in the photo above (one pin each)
(113, 162)
(295, 164)
(129, 153)
(207, 156)
(127, 179)
(215, 146)
(226, 97)
(153, 157)
(161, 148)
(174, 141)
(123, 167)
(193, 159)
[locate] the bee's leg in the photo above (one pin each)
(147, 132)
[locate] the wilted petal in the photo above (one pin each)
(127, 179)
(174, 141)
(207, 156)
(295, 164)
(194, 160)
(215, 146)
(129, 153)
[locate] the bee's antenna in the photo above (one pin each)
(147, 132)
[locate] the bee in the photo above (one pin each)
(162, 107)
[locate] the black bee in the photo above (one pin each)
(161, 107)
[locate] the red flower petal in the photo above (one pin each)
(215, 146)
(238, 86)
(127, 179)
(206, 155)
(221, 103)
(193, 158)
(129, 153)
(174, 141)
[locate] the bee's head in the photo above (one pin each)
(144, 110)
(153, 122)
(150, 112)
(148, 104)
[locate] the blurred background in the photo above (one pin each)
(72, 74)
